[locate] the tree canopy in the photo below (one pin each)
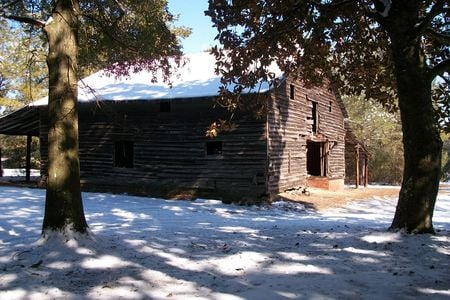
(122, 35)
(386, 49)
(343, 39)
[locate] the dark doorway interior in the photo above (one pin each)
(316, 162)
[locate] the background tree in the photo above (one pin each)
(124, 34)
(385, 48)
(446, 157)
(22, 64)
(381, 132)
(23, 79)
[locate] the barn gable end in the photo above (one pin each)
(306, 138)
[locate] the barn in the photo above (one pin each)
(152, 137)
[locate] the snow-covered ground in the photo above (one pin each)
(157, 249)
(18, 174)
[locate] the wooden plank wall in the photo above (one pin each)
(289, 130)
(287, 145)
(331, 127)
(170, 147)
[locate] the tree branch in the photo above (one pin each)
(121, 7)
(440, 68)
(446, 79)
(330, 5)
(438, 35)
(6, 5)
(26, 20)
(426, 21)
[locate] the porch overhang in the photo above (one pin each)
(24, 121)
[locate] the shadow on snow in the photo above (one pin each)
(153, 249)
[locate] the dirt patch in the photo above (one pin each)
(322, 199)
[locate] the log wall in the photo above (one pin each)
(170, 147)
(258, 156)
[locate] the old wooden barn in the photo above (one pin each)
(151, 138)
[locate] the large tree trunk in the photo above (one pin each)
(421, 139)
(63, 206)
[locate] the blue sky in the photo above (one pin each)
(191, 14)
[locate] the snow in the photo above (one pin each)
(145, 248)
(197, 78)
(19, 172)
(18, 175)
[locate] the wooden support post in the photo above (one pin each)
(322, 167)
(1, 167)
(366, 171)
(357, 166)
(28, 159)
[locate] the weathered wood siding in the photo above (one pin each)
(259, 156)
(331, 126)
(286, 145)
(170, 147)
(290, 127)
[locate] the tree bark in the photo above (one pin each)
(63, 206)
(421, 140)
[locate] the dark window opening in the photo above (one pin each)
(331, 105)
(313, 117)
(292, 92)
(123, 154)
(164, 106)
(316, 159)
(214, 148)
(260, 178)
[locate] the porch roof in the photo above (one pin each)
(24, 121)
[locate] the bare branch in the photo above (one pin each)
(382, 7)
(439, 69)
(26, 20)
(6, 5)
(122, 7)
(445, 78)
(330, 5)
(426, 21)
(438, 35)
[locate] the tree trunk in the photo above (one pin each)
(421, 140)
(63, 206)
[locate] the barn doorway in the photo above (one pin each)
(316, 158)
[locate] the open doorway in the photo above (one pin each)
(316, 158)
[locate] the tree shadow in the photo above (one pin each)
(156, 249)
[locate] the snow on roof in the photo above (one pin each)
(197, 78)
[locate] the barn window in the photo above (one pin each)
(292, 92)
(123, 154)
(214, 148)
(164, 106)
